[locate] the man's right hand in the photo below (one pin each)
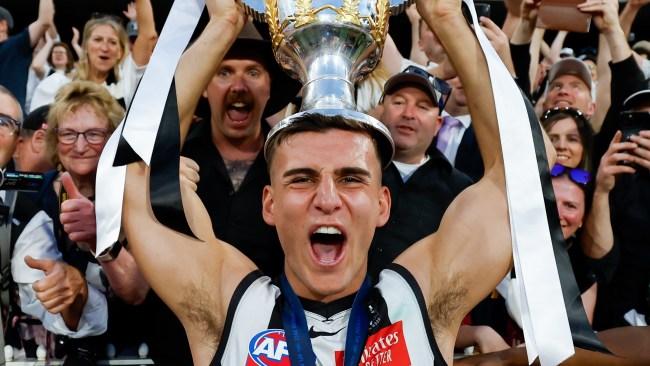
(62, 286)
(228, 10)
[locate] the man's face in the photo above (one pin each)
(430, 45)
(457, 96)
(413, 122)
(238, 94)
(569, 91)
(325, 200)
(8, 133)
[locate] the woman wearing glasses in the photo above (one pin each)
(59, 281)
(106, 59)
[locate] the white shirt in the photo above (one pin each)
(407, 170)
(130, 75)
(456, 137)
(38, 241)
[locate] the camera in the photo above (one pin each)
(21, 181)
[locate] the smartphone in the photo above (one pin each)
(482, 10)
(563, 15)
(634, 122)
(631, 124)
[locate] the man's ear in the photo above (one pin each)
(267, 205)
(384, 206)
(38, 143)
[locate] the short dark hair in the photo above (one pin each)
(316, 122)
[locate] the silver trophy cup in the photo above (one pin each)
(328, 45)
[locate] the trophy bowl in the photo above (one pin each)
(328, 45)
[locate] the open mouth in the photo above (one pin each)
(239, 110)
(327, 245)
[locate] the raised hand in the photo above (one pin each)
(62, 286)
(78, 215)
(605, 14)
(228, 10)
(610, 164)
(130, 11)
(499, 41)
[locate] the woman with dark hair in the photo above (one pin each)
(571, 135)
(55, 56)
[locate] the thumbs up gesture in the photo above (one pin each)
(62, 286)
(78, 215)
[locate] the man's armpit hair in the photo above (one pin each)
(200, 310)
(445, 305)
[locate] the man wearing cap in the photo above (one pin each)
(16, 51)
(228, 150)
(569, 85)
(421, 180)
(30, 154)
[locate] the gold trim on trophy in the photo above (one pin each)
(378, 30)
(349, 12)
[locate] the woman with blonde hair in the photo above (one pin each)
(106, 59)
(59, 281)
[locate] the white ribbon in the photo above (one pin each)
(143, 118)
(545, 323)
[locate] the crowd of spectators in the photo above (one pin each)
(60, 102)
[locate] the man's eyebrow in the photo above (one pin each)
(353, 171)
(304, 171)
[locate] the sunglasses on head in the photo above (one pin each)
(575, 113)
(577, 175)
(440, 86)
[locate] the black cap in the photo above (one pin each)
(637, 99)
(35, 119)
(412, 79)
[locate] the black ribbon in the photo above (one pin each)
(581, 332)
(294, 322)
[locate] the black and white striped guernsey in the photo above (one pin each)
(399, 331)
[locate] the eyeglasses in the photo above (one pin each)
(575, 113)
(440, 86)
(8, 125)
(93, 136)
(577, 175)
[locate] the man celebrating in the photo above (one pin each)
(326, 200)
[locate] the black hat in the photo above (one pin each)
(250, 46)
(437, 90)
(637, 99)
(6, 15)
(35, 119)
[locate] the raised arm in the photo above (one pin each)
(40, 59)
(194, 277)
(45, 19)
(147, 35)
(454, 266)
(200, 62)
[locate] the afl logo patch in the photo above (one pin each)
(268, 348)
